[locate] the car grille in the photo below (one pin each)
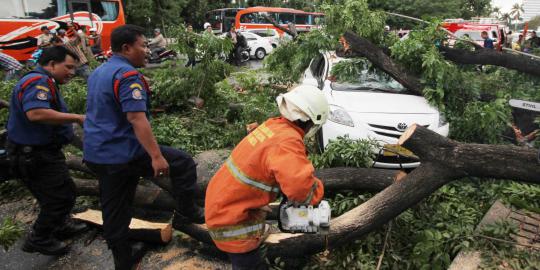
(393, 131)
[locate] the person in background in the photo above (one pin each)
(120, 147)
(74, 44)
(191, 45)
(509, 40)
(85, 42)
(534, 40)
(62, 35)
(158, 44)
(44, 40)
(57, 41)
(95, 39)
(488, 42)
(208, 28)
(518, 44)
(39, 125)
(10, 65)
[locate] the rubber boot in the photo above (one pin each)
(188, 211)
(44, 243)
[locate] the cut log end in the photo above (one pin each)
(407, 134)
(399, 176)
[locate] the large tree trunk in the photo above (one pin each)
(508, 60)
(335, 180)
(380, 59)
(443, 160)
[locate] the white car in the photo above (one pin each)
(260, 47)
(269, 34)
(371, 106)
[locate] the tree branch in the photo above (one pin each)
(380, 59)
(483, 56)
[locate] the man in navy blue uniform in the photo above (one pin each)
(38, 126)
(119, 145)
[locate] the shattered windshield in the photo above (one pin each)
(361, 75)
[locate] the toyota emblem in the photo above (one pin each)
(402, 126)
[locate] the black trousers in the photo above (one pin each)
(46, 175)
(252, 260)
(117, 184)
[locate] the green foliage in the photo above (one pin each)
(6, 89)
(173, 86)
(10, 232)
(154, 13)
(74, 94)
(345, 152)
(355, 16)
(523, 196)
(288, 62)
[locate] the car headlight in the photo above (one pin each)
(340, 116)
(442, 120)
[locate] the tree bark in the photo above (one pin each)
(380, 59)
(483, 56)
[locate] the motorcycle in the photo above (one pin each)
(162, 56)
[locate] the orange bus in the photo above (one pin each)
(21, 21)
(254, 18)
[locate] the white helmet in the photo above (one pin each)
(207, 24)
(386, 28)
(304, 102)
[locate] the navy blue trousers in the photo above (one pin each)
(118, 182)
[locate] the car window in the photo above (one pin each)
(365, 77)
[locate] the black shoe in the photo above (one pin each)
(48, 246)
(127, 256)
(179, 219)
(70, 229)
(196, 215)
(188, 208)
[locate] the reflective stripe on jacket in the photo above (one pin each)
(270, 159)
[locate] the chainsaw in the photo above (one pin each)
(525, 113)
(304, 218)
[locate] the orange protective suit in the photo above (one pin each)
(271, 158)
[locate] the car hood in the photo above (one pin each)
(375, 102)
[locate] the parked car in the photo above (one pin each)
(269, 34)
(371, 105)
(260, 47)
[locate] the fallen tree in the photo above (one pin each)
(443, 160)
(356, 46)
(335, 180)
(483, 56)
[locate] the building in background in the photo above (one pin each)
(531, 8)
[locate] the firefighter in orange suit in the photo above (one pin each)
(270, 159)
